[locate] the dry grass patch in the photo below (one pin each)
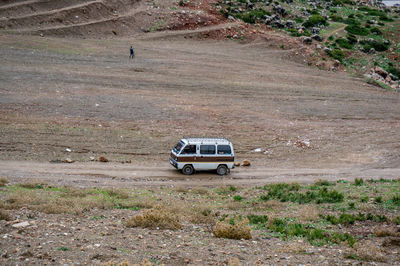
(4, 215)
(384, 232)
(239, 230)
(368, 251)
(306, 213)
(160, 217)
(200, 191)
(33, 185)
(3, 182)
(293, 248)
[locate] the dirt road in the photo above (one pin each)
(127, 175)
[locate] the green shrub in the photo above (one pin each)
(357, 30)
(377, 45)
(375, 31)
(344, 43)
(257, 219)
(252, 16)
(324, 183)
(315, 20)
(336, 18)
(299, 20)
(237, 198)
(378, 199)
(395, 200)
(352, 21)
(358, 181)
(336, 54)
(331, 38)
(351, 38)
(315, 236)
(364, 199)
(394, 71)
(385, 18)
(397, 220)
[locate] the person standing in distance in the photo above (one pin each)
(132, 52)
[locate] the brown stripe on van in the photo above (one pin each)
(206, 159)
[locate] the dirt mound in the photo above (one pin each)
(97, 18)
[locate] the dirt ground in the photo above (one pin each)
(69, 97)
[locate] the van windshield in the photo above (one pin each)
(178, 147)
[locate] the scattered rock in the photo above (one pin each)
(315, 30)
(92, 158)
(103, 159)
(306, 40)
(237, 164)
(303, 143)
(317, 37)
(68, 160)
(380, 71)
(128, 161)
(257, 150)
(246, 163)
(393, 77)
(21, 224)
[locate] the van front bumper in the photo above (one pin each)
(173, 163)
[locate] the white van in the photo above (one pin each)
(193, 154)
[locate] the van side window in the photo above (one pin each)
(207, 149)
(224, 149)
(189, 149)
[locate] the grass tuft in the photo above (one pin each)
(159, 217)
(237, 230)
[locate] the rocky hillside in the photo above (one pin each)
(362, 37)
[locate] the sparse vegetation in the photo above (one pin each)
(159, 217)
(235, 230)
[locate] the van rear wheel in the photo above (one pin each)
(188, 169)
(222, 169)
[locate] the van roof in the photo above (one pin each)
(206, 140)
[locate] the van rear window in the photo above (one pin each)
(224, 149)
(207, 149)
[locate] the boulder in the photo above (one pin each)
(317, 37)
(289, 24)
(306, 40)
(380, 71)
(277, 24)
(393, 77)
(21, 224)
(246, 163)
(372, 51)
(279, 10)
(315, 30)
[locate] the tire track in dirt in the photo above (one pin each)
(128, 175)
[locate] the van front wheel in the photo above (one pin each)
(222, 169)
(188, 169)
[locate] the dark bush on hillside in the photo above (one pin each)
(351, 39)
(375, 31)
(344, 43)
(357, 30)
(385, 18)
(351, 16)
(377, 45)
(315, 20)
(394, 71)
(336, 54)
(299, 20)
(252, 16)
(352, 21)
(331, 38)
(336, 18)
(314, 12)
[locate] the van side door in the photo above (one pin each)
(207, 157)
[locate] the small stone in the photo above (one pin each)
(91, 158)
(237, 163)
(68, 160)
(103, 159)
